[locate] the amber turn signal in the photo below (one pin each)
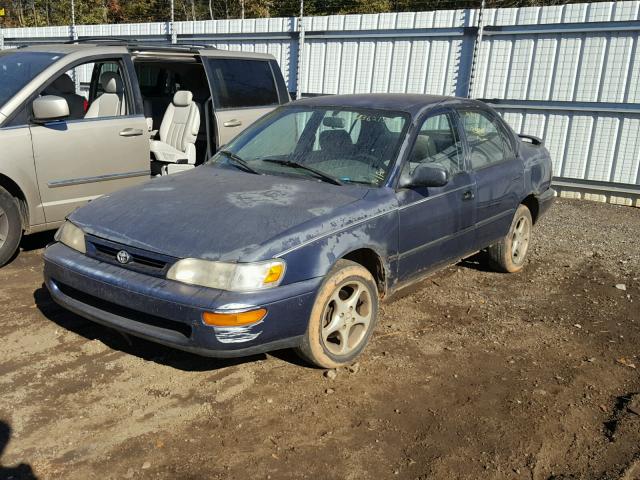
(236, 319)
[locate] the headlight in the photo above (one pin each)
(236, 277)
(71, 236)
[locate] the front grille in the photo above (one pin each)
(125, 312)
(142, 261)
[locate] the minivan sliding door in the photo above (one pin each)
(243, 90)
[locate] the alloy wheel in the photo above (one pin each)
(347, 318)
(520, 240)
(4, 227)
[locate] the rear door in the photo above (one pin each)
(79, 159)
(243, 90)
(498, 173)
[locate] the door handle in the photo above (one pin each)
(131, 132)
(468, 195)
(232, 123)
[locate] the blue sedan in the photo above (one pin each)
(292, 233)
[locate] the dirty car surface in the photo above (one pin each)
(292, 233)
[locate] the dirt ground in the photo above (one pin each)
(471, 374)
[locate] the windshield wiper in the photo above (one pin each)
(239, 161)
(288, 163)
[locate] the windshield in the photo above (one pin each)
(18, 68)
(327, 144)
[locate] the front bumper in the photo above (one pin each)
(170, 313)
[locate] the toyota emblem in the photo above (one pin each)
(123, 257)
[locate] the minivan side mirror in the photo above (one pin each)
(426, 176)
(50, 107)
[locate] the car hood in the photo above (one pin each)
(217, 214)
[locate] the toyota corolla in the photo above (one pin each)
(293, 232)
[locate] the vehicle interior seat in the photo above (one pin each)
(111, 103)
(376, 139)
(176, 150)
(335, 143)
(425, 148)
(64, 87)
(148, 112)
(431, 150)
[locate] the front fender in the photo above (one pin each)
(16, 164)
(316, 258)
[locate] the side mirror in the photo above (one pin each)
(50, 107)
(426, 176)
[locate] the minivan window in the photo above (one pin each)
(19, 68)
(242, 83)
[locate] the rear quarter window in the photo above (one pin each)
(242, 83)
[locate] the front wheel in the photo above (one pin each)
(343, 317)
(10, 226)
(509, 254)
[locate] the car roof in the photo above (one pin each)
(413, 104)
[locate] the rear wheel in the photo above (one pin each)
(509, 254)
(10, 226)
(343, 317)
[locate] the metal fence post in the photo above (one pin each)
(476, 50)
(74, 37)
(172, 24)
(300, 69)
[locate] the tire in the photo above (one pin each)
(509, 254)
(338, 342)
(10, 226)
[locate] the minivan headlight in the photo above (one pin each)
(71, 236)
(235, 277)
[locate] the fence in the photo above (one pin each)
(569, 74)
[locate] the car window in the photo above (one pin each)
(242, 83)
(354, 146)
(114, 101)
(103, 68)
(74, 86)
(66, 85)
(487, 142)
(438, 144)
(279, 138)
(19, 68)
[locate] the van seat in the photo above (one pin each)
(176, 150)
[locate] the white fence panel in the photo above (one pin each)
(567, 73)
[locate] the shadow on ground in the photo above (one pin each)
(19, 472)
(36, 241)
(129, 344)
(479, 261)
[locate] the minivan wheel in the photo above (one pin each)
(510, 253)
(343, 317)
(10, 226)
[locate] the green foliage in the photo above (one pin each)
(30, 13)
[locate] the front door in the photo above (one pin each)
(436, 224)
(91, 153)
(243, 91)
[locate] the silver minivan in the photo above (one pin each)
(84, 119)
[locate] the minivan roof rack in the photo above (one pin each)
(168, 47)
(98, 40)
(131, 43)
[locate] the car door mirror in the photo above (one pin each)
(427, 176)
(50, 107)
